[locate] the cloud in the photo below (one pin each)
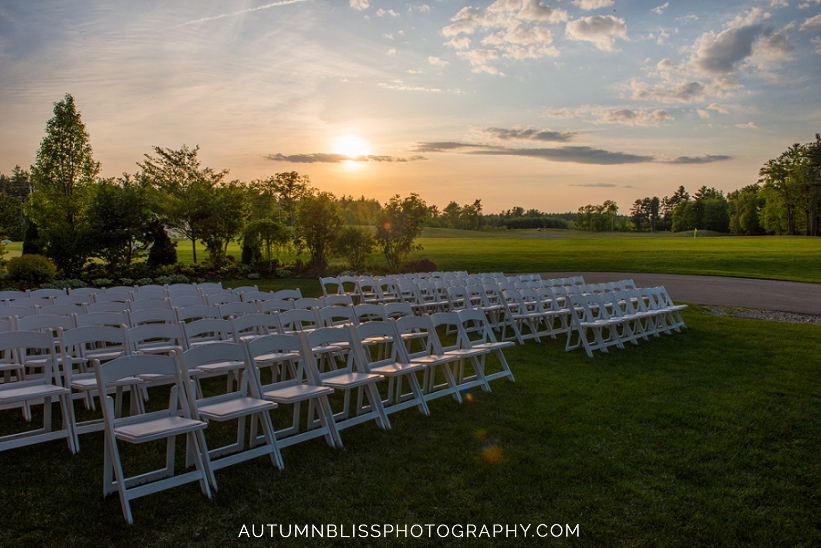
(399, 85)
(562, 113)
(445, 146)
(812, 23)
(382, 13)
(588, 5)
(478, 59)
(748, 125)
(639, 117)
(602, 30)
(460, 42)
(359, 4)
(391, 51)
(660, 9)
(682, 92)
(779, 4)
(530, 134)
(774, 46)
(702, 159)
(593, 185)
(718, 108)
(750, 17)
(817, 42)
(263, 7)
(572, 154)
(702, 113)
(324, 158)
(687, 18)
(723, 53)
(437, 62)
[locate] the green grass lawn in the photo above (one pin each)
(708, 437)
(793, 258)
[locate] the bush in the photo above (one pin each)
(31, 268)
(355, 244)
(103, 282)
(64, 284)
(144, 281)
(254, 276)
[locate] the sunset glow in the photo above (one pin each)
(543, 104)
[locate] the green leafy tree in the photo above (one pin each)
(63, 176)
(227, 209)
(317, 225)
(355, 244)
(399, 223)
(268, 235)
(185, 189)
(12, 221)
(118, 218)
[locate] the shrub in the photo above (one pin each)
(254, 276)
(355, 244)
(163, 280)
(31, 268)
(144, 281)
(284, 273)
(179, 279)
(103, 282)
(63, 284)
(126, 281)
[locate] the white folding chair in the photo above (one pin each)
(477, 334)
(21, 392)
(591, 318)
(231, 310)
(252, 326)
(345, 371)
(275, 305)
(165, 424)
(300, 384)
(450, 322)
(190, 313)
(152, 315)
(243, 403)
(382, 350)
(422, 345)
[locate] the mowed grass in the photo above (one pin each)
(794, 258)
(708, 437)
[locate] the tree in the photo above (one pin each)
(399, 224)
(291, 187)
(118, 219)
(452, 212)
(186, 189)
(63, 177)
(163, 251)
(317, 224)
(355, 244)
(265, 233)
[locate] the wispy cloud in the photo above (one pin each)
(638, 117)
(326, 158)
(530, 134)
(602, 30)
(399, 85)
(572, 154)
(263, 7)
(660, 9)
(594, 185)
(702, 159)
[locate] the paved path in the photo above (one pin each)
(801, 298)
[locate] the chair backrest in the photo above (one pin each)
(73, 299)
(45, 323)
(475, 328)
(114, 319)
(398, 310)
(18, 311)
(334, 316)
(220, 352)
(309, 303)
(26, 343)
(207, 331)
(93, 341)
(187, 300)
(222, 298)
(176, 291)
(292, 294)
(451, 324)
(117, 297)
(251, 296)
(289, 347)
(369, 312)
(298, 319)
(458, 298)
(85, 291)
(152, 315)
(338, 300)
(62, 310)
(210, 285)
(147, 337)
(196, 312)
(47, 293)
(276, 305)
(245, 289)
(335, 363)
(150, 303)
(251, 326)
(122, 289)
(420, 336)
(387, 346)
(143, 294)
(330, 286)
(229, 310)
(12, 294)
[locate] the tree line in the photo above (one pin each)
(64, 210)
(784, 201)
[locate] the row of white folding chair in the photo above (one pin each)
(616, 317)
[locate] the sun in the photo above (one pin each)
(352, 147)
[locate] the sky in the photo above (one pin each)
(540, 104)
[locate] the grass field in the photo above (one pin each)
(708, 437)
(779, 258)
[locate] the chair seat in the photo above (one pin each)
(87, 381)
(396, 369)
(276, 357)
(296, 393)
(32, 391)
(218, 367)
(235, 408)
(491, 346)
(157, 429)
(350, 380)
